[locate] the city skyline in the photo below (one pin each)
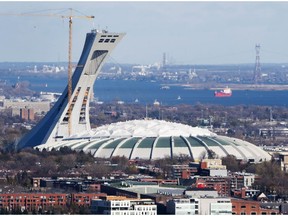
(188, 32)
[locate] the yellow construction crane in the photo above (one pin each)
(70, 17)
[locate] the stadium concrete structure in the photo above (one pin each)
(153, 139)
(146, 139)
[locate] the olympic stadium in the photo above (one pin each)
(68, 123)
(153, 139)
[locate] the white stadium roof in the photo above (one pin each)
(152, 139)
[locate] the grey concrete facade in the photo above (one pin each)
(54, 126)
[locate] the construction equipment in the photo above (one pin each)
(69, 16)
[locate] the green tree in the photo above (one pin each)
(131, 169)
(22, 178)
(121, 161)
(272, 178)
(97, 170)
(83, 158)
(231, 163)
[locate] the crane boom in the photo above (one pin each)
(47, 15)
(69, 51)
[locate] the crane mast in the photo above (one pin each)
(70, 76)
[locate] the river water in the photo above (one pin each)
(146, 92)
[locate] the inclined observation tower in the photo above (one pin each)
(67, 118)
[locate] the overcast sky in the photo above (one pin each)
(188, 32)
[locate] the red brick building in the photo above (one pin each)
(94, 187)
(160, 181)
(27, 114)
(32, 201)
(248, 207)
(221, 184)
(84, 199)
(183, 171)
(36, 201)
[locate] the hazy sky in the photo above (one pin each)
(188, 32)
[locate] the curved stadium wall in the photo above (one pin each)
(153, 139)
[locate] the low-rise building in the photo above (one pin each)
(215, 206)
(76, 184)
(43, 201)
(32, 201)
(250, 207)
(183, 206)
(37, 106)
(283, 158)
(183, 171)
(221, 184)
(84, 199)
(213, 167)
(200, 206)
(160, 181)
(120, 205)
(201, 192)
(242, 179)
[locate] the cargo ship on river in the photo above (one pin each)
(226, 92)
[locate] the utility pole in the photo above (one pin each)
(164, 62)
(257, 69)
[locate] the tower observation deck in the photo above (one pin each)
(54, 126)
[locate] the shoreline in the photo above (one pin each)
(240, 87)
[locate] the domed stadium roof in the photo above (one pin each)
(152, 139)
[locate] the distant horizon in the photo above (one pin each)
(189, 32)
(63, 62)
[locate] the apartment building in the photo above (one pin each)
(37, 201)
(32, 201)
